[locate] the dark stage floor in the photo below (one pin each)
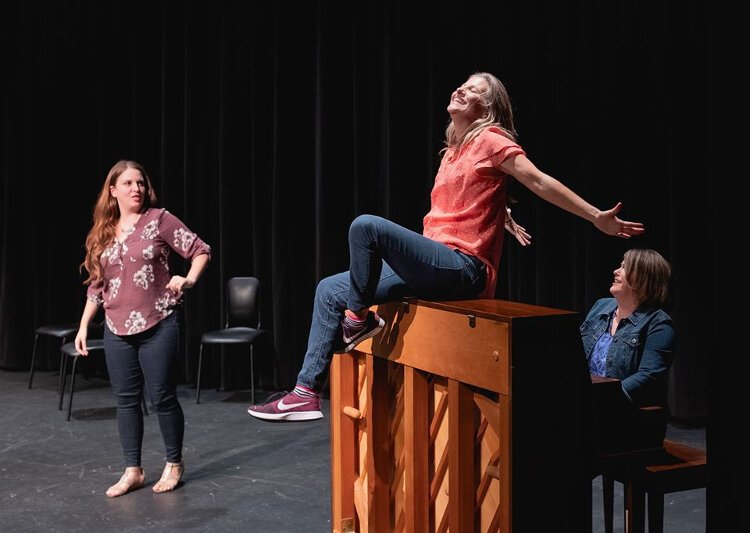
(242, 474)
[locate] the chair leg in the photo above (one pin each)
(608, 498)
(222, 381)
(33, 359)
(198, 379)
(63, 374)
(62, 357)
(72, 385)
(655, 511)
(634, 507)
(252, 375)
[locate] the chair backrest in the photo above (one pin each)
(243, 302)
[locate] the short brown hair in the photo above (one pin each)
(649, 274)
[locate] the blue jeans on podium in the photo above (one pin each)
(387, 262)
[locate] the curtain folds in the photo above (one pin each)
(268, 130)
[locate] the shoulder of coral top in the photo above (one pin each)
(494, 131)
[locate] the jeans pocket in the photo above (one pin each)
(474, 275)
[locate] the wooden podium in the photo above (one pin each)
(462, 416)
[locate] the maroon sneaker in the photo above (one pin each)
(354, 332)
(289, 407)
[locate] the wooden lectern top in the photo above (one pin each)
(472, 341)
(500, 310)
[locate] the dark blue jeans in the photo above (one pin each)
(387, 262)
(148, 357)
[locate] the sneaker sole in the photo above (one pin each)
(290, 416)
(349, 347)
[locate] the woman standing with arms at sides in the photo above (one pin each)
(127, 259)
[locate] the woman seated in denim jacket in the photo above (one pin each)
(630, 337)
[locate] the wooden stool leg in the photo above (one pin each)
(634, 508)
(655, 511)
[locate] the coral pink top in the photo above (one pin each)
(468, 200)
(136, 271)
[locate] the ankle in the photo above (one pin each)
(359, 316)
(305, 392)
(133, 470)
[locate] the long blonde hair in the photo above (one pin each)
(106, 214)
(499, 114)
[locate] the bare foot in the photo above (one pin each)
(170, 478)
(132, 479)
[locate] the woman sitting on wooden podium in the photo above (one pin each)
(458, 253)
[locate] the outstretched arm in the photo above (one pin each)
(550, 189)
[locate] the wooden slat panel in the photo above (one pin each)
(416, 450)
(397, 437)
(506, 463)
(378, 466)
(343, 379)
(361, 496)
(439, 432)
(461, 457)
(467, 460)
(488, 502)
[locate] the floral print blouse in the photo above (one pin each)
(136, 271)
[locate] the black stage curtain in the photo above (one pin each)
(267, 128)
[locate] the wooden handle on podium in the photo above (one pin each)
(493, 471)
(351, 412)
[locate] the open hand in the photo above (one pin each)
(608, 222)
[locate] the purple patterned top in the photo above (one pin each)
(136, 272)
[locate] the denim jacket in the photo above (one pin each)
(641, 351)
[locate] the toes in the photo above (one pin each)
(165, 485)
(170, 479)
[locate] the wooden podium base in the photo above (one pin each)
(462, 416)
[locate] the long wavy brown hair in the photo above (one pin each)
(106, 215)
(499, 114)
